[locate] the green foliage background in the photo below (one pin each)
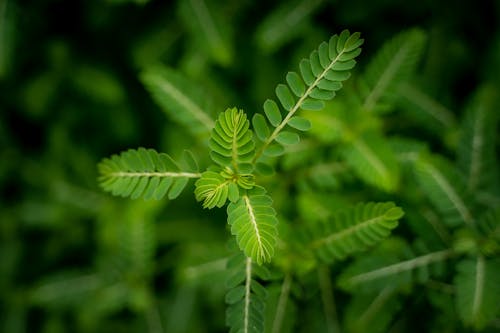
(72, 91)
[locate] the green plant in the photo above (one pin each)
(293, 202)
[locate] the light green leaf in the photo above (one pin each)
(302, 124)
(213, 189)
(260, 126)
(253, 222)
(288, 138)
(274, 150)
(295, 83)
(231, 141)
(285, 97)
(310, 104)
(272, 112)
(143, 172)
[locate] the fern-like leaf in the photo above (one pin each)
(478, 291)
(180, 99)
(444, 186)
(253, 222)
(245, 297)
(231, 142)
(353, 230)
(372, 159)
(320, 77)
(476, 151)
(144, 172)
(391, 66)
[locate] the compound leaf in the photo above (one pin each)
(253, 222)
(143, 172)
(353, 230)
(231, 141)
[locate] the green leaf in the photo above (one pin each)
(312, 105)
(177, 188)
(295, 83)
(353, 42)
(253, 222)
(143, 172)
(209, 28)
(353, 230)
(444, 186)
(285, 96)
(306, 72)
(477, 156)
(190, 161)
(245, 312)
(231, 142)
(322, 94)
(233, 192)
(260, 126)
(390, 264)
(424, 109)
(274, 150)
(272, 112)
(302, 124)
(392, 66)
(213, 189)
(373, 161)
(235, 294)
(288, 138)
(478, 291)
(317, 84)
(315, 64)
(182, 100)
(288, 21)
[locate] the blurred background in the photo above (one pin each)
(73, 259)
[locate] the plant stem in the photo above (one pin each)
(282, 302)
(325, 285)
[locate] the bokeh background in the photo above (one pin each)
(73, 259)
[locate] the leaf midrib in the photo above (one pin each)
(155, 174)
